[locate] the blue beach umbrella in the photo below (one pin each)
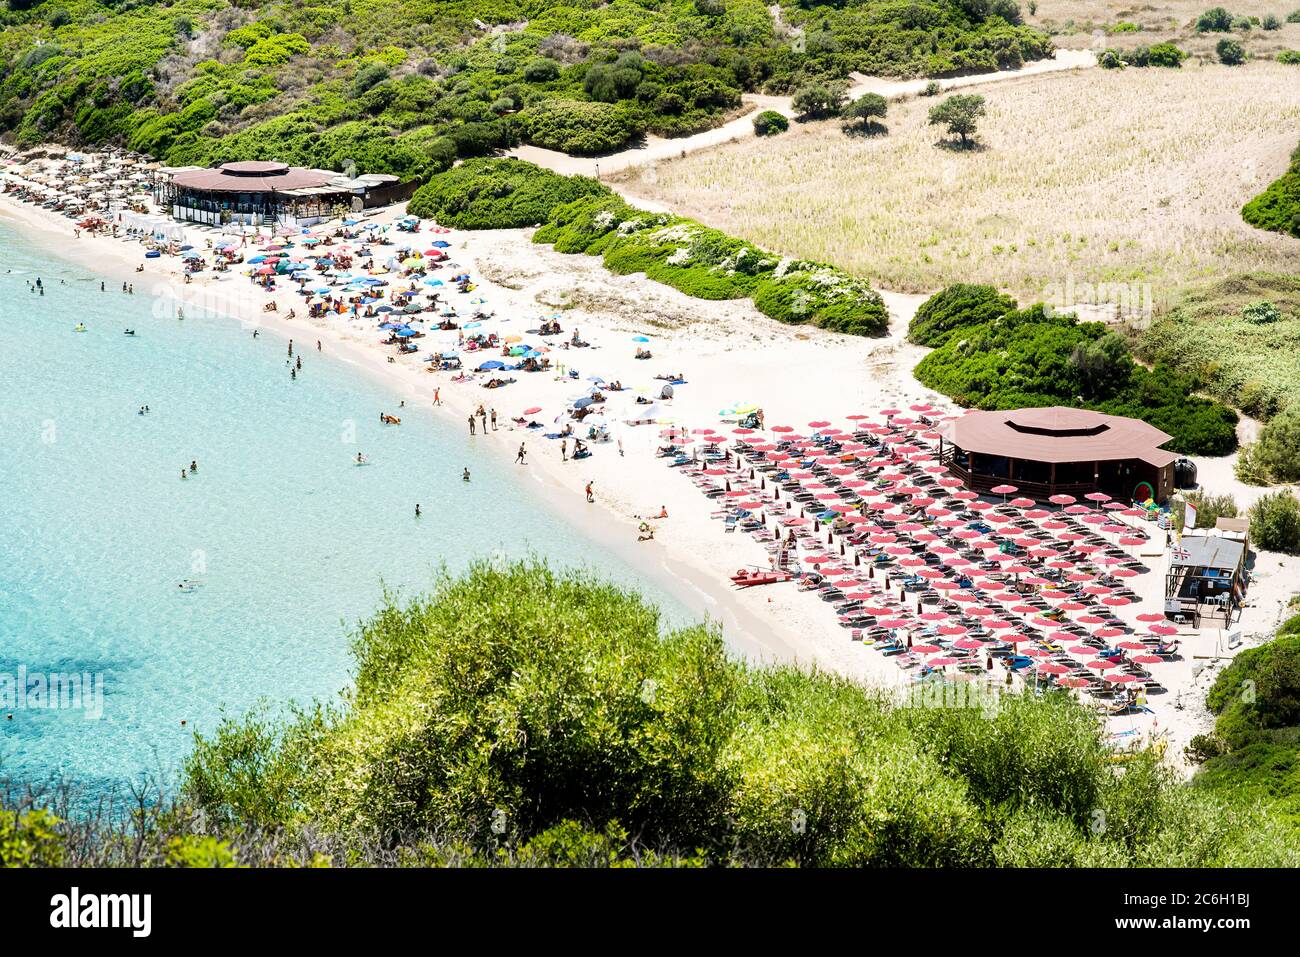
(640, 339)
(405, 333)
(441, 244)
(472, 325)
(493, 364)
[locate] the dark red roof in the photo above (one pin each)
(1058, 434)
(251, 177)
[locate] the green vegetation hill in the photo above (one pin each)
(518, 715)
(1246, 356)
(988, 354)
(405, 86)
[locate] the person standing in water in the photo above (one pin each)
(194, 466)
(471, 424)
(465, 475)
(291, 348)
(417, 509)
(184, 474)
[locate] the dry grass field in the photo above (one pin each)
(1074, 23)
(1097, 177)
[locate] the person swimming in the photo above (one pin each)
(184, 474)
(128, 332)
(417, 509)
(194, 466)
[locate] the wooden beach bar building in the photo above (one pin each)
(1053, 451)
(267, 193)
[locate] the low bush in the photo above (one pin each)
(1278, 207)
(498, 194)
(1216, 19)
(770, 122)
(707, 264)
(1230, 52)
(578, 127)
(1275, 522)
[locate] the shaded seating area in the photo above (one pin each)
(921, 570)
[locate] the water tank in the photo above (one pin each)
(1184, 473)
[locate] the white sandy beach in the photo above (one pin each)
(729, 354)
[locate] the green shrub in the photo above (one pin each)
(932, 88)
(1271, 22)
(577, 127)
(1209, 508)
(1110, 59)
(1261, 312)
(1214, 20)
(1159, 54)
(1278, 207)
(1275, 456)
(956, 306)
(817, 101)
(770, 122)
(1230, 52)
(1291, 57)
(1275, 522)
(498, 194)
(541, 70)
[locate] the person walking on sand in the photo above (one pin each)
(620, 448)
(494, 420)
(437, 399)
(564, 450)
(471, 424)
(519, 458)
(590, 497)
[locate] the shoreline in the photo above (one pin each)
(747, 634)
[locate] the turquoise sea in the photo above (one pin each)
(292, 542)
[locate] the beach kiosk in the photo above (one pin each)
(1206, 580)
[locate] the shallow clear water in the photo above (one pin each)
(290, 540)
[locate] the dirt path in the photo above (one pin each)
(657, 148)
